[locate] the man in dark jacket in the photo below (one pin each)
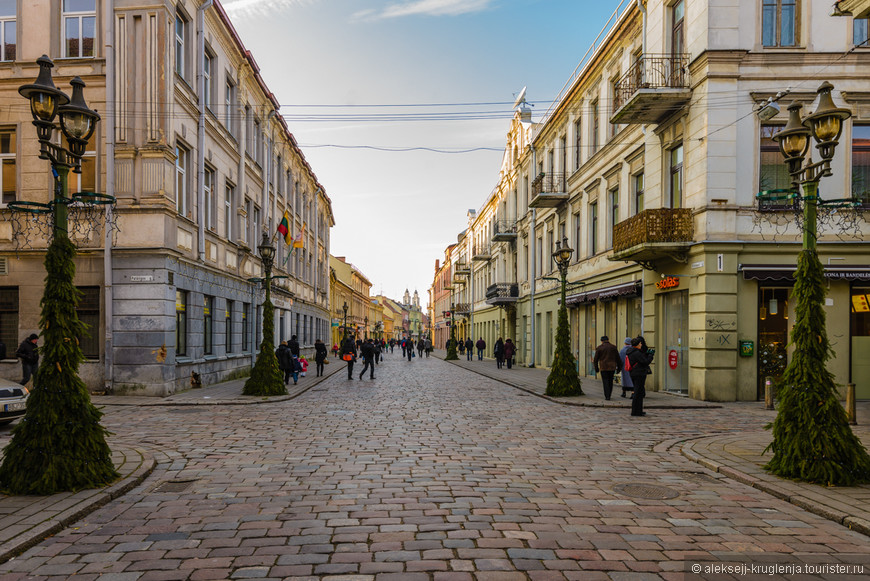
(638, 360)
(286, 362)
(469, 349)
(294, 346)
(368, 356)
(607, 363)
(409, 346)
(29, 355)
(481, 346)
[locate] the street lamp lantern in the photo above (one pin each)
(826, 122)
(267, 253)
(77, 120)
(44, 98)
(344, 308)
(562, 254)
(794, 139)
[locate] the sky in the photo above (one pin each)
(402, 107)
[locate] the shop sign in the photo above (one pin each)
(673, 358)
(668, 282)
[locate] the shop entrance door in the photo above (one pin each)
(860, 332)
(772, 335)
(673, 356)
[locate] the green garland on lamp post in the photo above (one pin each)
(812, 440)
(452, 355)
(563, 379)
(59, 445)
(266, 377)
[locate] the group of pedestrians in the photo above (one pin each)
(503, 351)
(293, 364)
(632, 361)
(373, 350)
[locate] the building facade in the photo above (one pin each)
(657, 167)
(201, 164)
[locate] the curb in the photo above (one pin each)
(35, 535)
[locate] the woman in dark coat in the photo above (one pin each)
(498, 351)
(639, 361)
(285, 361)
(320, 355)
(348, 347)
(509, 351)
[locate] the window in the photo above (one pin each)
(676, 189)
(678, 44)
(230, 107)
(229, 196)
(210, 205)
(79, 24)
(88, 311)
(182, 162)
(208, 89)
(208, 325)
(255, 225)
(228, 327)
(181, 26)
(243, 227)
(8, 40)
(861, 163)
(613, 214)
(246, 334)
(637, 192)
(861, 32)
(595, 127)
(773, 173)
(593, 228)
(563, 155)
(578, 229)
(180, 323)
(9, 318)
(7, 166)
(779, 22)
(614, 90)
(578, 142)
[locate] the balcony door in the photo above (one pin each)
(678, 44)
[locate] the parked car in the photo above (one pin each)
(13, 401)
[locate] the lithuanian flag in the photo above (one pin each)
(284, 228)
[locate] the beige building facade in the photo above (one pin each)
(193, 148)
(650, 165)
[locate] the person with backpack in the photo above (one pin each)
(498, 351)
(286, 362)
(638, 361)
(627, 385)
(348, 353)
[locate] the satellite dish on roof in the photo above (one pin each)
(521, 98)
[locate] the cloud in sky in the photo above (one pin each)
(425, 8)
(260, 7)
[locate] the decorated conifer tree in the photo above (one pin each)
(451, 346)
(59, 445)
(812, 440)
(266, 377)
(563, 379)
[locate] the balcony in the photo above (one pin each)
(653, 234)
(504, 231)
(481, 252)
(656, 86)
(458, 280)
(461, 269)
(502, 293)
(548, 190)
(461, 309)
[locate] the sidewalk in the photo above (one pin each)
(740, 457)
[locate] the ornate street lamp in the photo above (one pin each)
(563, 379)
(451, 343)
(344, 308)
(366, 327)
(266, 377)
(812, 440)
(47, 455)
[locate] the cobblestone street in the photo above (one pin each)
(427, 472)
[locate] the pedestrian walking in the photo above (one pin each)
(286, 362)
(293, 344)
(461, 346)
(409, 347)
(392, 345)
(377, 347)
(627, 385)
(335, 350)
(469, 349)
(367, 351)
(498, 351)
(348, 353)
(320, 355)
(28, 352)
(509, 351)
(606, 362)
(428, 346)
(481, 345)
(638, 362)
(420, 346)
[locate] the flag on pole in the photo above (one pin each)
(299, 241)
(284, 228)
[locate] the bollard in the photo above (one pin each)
(768, 393)
(850, 404)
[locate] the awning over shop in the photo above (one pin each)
(785, 272)
(609, 293)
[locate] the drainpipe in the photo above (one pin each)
(109, 124)
(532, 253)
(643, 41)
(200, 127)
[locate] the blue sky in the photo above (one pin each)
(396, 211)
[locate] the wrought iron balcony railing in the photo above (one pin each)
(549, 190)
(504, 231)
(502, 293)
(653, 232)
(461, 269)
(481, 252)
(461, 309)
(654, 87)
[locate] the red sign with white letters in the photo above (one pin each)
(673, 358)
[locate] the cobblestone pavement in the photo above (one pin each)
(428, 472)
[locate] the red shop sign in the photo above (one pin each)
(673, 358)
(668, 282)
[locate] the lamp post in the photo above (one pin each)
(451, 343)
(563, 379)
(344, 308)
(812, 440)
(60, 444)
(266, 377)
(366, 327)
